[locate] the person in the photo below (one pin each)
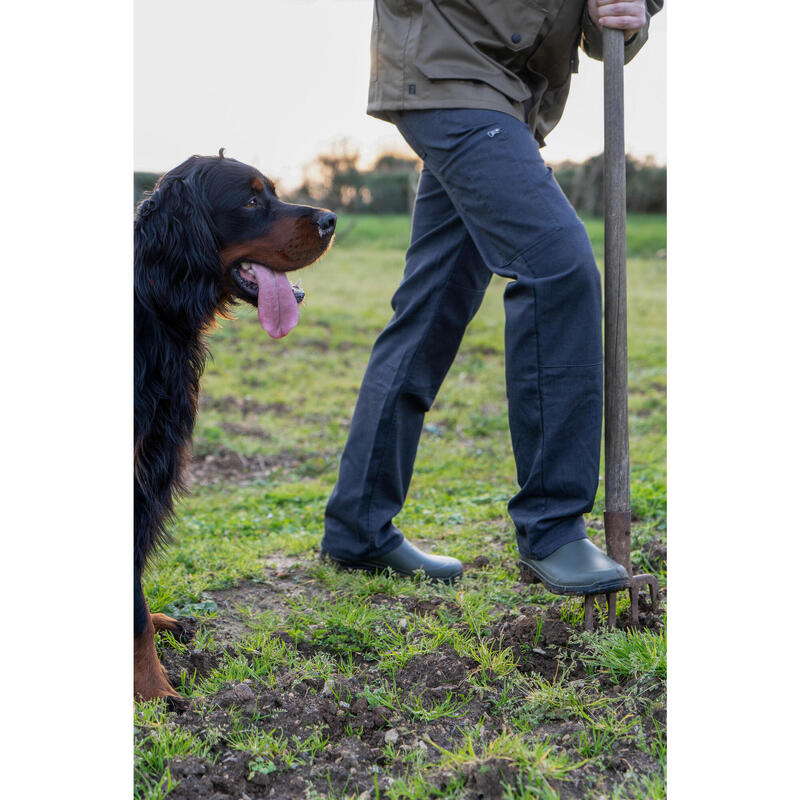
(474, 87)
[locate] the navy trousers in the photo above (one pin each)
(486, 203)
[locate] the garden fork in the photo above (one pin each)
(617, 516)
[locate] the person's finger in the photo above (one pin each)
(606, 3)
(628, 16)
(624, 23)
(618, 9)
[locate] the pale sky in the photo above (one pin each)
(277, 81)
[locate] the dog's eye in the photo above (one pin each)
(252, 202)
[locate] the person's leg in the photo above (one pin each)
(442, 288)
(525, 229)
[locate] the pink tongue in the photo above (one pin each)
(277, 307)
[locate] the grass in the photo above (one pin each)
(389, 697)
(285, 406)
(158, 740)
(623, 656)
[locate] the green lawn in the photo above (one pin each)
(280, 410)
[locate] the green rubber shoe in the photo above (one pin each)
(406, 559)
(576, 568)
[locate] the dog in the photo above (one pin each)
(211, 233)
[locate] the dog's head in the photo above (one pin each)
(212, 232)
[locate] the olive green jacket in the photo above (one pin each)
(515, 56)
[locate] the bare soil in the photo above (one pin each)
(354, 761)
(226, 465)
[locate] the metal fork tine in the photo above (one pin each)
(611, 602)
(588, 612)
(634, 590)
(654, 595)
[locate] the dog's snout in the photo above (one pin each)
(326, 222)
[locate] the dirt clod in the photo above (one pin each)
(391, 736)
(243, 692)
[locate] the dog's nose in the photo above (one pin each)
(326, 223)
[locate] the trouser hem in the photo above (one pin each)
(550, 541)
(394, 541)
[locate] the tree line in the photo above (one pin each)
(336, 180)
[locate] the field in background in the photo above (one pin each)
(364, 686)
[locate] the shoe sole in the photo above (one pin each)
(375, 568)
(530, 575)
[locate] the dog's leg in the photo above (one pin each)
(149, 679)
(161, 622)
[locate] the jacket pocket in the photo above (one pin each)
(478, 41)
(516, 23)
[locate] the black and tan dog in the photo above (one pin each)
(210, 234)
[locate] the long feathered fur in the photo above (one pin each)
(176, 297)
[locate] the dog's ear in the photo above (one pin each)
(176, 263)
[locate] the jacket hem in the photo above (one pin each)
(378, 110)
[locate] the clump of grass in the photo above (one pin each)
(394, 659)
(344, 627)
(599, 736)
(419, 786)
(257, 658)
(494, 660)
(624, 655)
(529, 786)
(538, 762)
(415, 706)
(264, 745)
(163, 741)
(324, 666)
(572, 611)
(561, 699)
(644, 787)
(537, 765)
